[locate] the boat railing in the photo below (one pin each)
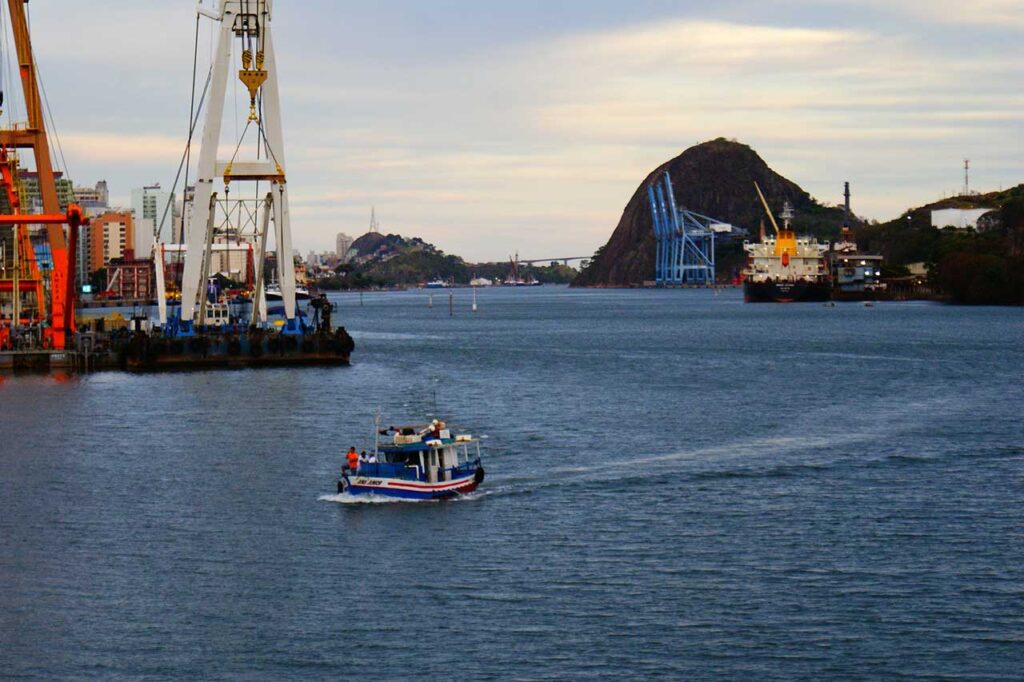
(389, 470)
(460, 471)
(412, 473)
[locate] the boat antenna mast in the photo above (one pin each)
(376, 432)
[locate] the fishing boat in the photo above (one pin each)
(426, 462)
(436, 283)
(516, 276)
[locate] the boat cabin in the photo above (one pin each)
(430, 453)
(432, 461)
(218, 314)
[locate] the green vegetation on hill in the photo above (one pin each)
(981, 266)
(395, 261)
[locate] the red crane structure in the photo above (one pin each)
(59, 315)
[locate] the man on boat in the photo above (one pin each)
(352, 459)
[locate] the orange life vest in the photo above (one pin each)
(353, 460)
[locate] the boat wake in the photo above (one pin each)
(769, 456)
(751, 458)
(346, 498)
(395, 336)
(370, 498)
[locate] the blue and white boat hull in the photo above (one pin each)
(411, 490)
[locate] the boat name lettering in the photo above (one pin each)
(369, 481)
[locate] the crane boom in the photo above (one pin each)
(33, 136)
(766, 209)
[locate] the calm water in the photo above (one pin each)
(679, 486)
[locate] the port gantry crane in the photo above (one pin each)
(60, 318)
(684, 240)
(248, 22)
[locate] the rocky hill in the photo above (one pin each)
(716, 179)
(374, 247)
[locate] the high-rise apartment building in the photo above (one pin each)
(32, 201)
(110, 235)
(151, 206)
(93, 200)
(342, 244)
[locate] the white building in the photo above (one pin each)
(94, 201)
(342, 244)
(232, 259)
(149, 204)
(960, 218)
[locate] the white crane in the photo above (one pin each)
(245, 24)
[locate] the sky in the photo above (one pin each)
(489, 128)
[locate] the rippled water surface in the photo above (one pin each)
(679, 485)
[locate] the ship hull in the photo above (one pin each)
(869, 295)
(217, 349)
(785, 291)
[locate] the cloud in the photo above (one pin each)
(1002, 14)
(114, 148)
(718, 45)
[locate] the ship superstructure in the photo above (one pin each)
(783, 267)
(856, 276)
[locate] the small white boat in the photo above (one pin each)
(273, 293)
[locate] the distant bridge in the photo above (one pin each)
(564, 259)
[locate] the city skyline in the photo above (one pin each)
(489, 129)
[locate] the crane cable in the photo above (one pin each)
(193, 118)
(184, 155)
(6, 75)
(47, 113)
(3, 55)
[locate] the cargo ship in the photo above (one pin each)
(783, 268)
